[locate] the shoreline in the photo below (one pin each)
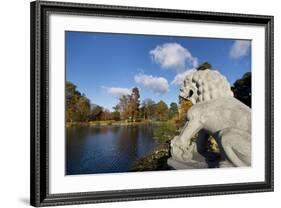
(107, 123)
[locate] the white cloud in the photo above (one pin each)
(155, 84)
(239, 49)
(178, 79)
(117, 91)
(173, 56)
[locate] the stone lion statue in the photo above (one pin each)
(217, 113)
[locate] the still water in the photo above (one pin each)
(106, 149)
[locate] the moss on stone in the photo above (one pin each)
(155, 160)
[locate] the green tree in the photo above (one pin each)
(173, 110)
(242, 89)
(204, 66)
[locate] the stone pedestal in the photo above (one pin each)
(177, 165)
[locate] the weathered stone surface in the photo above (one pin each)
(215, 112)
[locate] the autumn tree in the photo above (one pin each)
(106, 115)
(96, 112)
(77, 104)
(123, 106)
(116, 113)
(148, 108)
(184, 106)
(84, 108)
(134, 104)
(161, 110)
(129, 105)
(71, 96)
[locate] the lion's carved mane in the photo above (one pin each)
(206, 85)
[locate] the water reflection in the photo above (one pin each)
(106, 149)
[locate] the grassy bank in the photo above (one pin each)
(156, 159)
(105, 123)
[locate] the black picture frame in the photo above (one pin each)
(39, 187)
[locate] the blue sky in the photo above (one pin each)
(104, 66)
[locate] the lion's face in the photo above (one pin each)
(188, 91)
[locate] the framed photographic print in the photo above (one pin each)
(131, 103)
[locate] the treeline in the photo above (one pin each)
(129, 108)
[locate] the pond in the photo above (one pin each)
(106, 149)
